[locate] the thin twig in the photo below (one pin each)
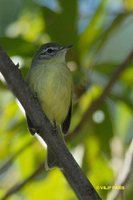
(96, 104)
(20, 185)
(8, 163)
(124, 173)
(78, 181)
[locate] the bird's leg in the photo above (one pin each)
(35, 96)
(54, 127)
(33, 129)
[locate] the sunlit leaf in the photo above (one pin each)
(93, 29)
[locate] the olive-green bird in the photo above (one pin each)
(50, 80)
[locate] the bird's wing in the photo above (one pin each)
(30, 125)
(66, 124)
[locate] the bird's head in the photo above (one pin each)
(51, 52)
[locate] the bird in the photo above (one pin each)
(50, 81)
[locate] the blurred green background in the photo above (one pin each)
(102, 34)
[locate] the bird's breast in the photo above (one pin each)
(53, 87)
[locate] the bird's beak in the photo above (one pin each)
(68, 46)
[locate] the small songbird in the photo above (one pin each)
(50, 80)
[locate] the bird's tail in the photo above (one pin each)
(52, 160)
(51, 157)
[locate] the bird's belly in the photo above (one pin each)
(55, 103)
(53, 91)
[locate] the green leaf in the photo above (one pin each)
(61, 26)
(17, 46)
(9, 12)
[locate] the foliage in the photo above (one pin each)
(101, 32)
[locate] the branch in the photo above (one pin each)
(19, 186)
(95, 104)
(124, 173)
(76, 178)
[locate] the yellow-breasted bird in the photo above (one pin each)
(50, 80)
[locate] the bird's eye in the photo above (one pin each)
(49, 50)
